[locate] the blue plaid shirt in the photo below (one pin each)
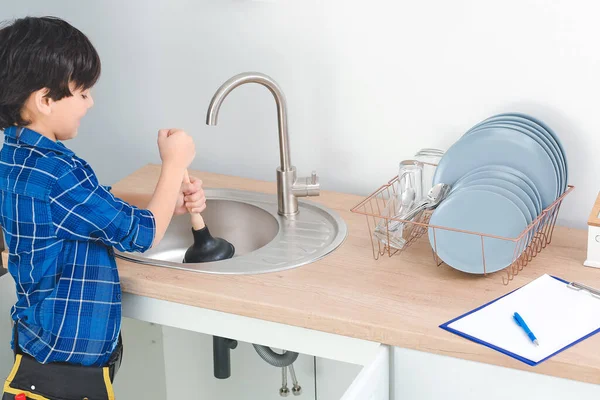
(60, 228)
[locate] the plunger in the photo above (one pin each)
(206, 248)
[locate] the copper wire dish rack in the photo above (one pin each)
(536, 236)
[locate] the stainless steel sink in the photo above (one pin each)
(264, 240)
(270, 233)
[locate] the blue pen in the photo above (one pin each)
(523, 325)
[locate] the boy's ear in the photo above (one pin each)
(42, 102)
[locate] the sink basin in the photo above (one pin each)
(264, 240)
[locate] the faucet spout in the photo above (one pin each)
(256, 77)
(289, 187)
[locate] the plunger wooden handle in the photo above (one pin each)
(197, 220)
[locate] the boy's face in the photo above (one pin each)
(58, 120)
(67, 112)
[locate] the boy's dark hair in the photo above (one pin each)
(37, 53)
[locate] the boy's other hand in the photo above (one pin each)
(176, 147)
(191, 198)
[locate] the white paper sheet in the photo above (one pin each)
(556, 314)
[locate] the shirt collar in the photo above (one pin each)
(32, 138)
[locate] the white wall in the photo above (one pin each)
(368, 83)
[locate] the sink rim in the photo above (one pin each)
(268, 203)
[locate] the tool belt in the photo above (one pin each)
(32, 380)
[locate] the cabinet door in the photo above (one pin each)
(373, 381)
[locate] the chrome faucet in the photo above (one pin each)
(289, 187)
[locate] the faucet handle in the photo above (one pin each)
(308, 186)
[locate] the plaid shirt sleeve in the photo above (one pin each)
(82, 209)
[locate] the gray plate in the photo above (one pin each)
(504, 147)
(482, 211)
(538, 130)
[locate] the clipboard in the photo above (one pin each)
(541, 304)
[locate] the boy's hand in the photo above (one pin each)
(191, 198)
(176, 148)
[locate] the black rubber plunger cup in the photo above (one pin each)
(206, 248)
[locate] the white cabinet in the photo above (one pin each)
(338, 380)
(187, 356)
(425, 376)
(333, 377)
(188, 373)
(188, 366)
(373, 381)
(188, 361)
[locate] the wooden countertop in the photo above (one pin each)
(399, 301)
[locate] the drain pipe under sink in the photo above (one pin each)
(283, 361)
(277, 360)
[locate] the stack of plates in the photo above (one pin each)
(504, 172)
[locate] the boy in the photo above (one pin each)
(60, 224)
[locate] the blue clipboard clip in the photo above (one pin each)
(579, 286)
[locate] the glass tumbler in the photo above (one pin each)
(408, 192)
(415, 179)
